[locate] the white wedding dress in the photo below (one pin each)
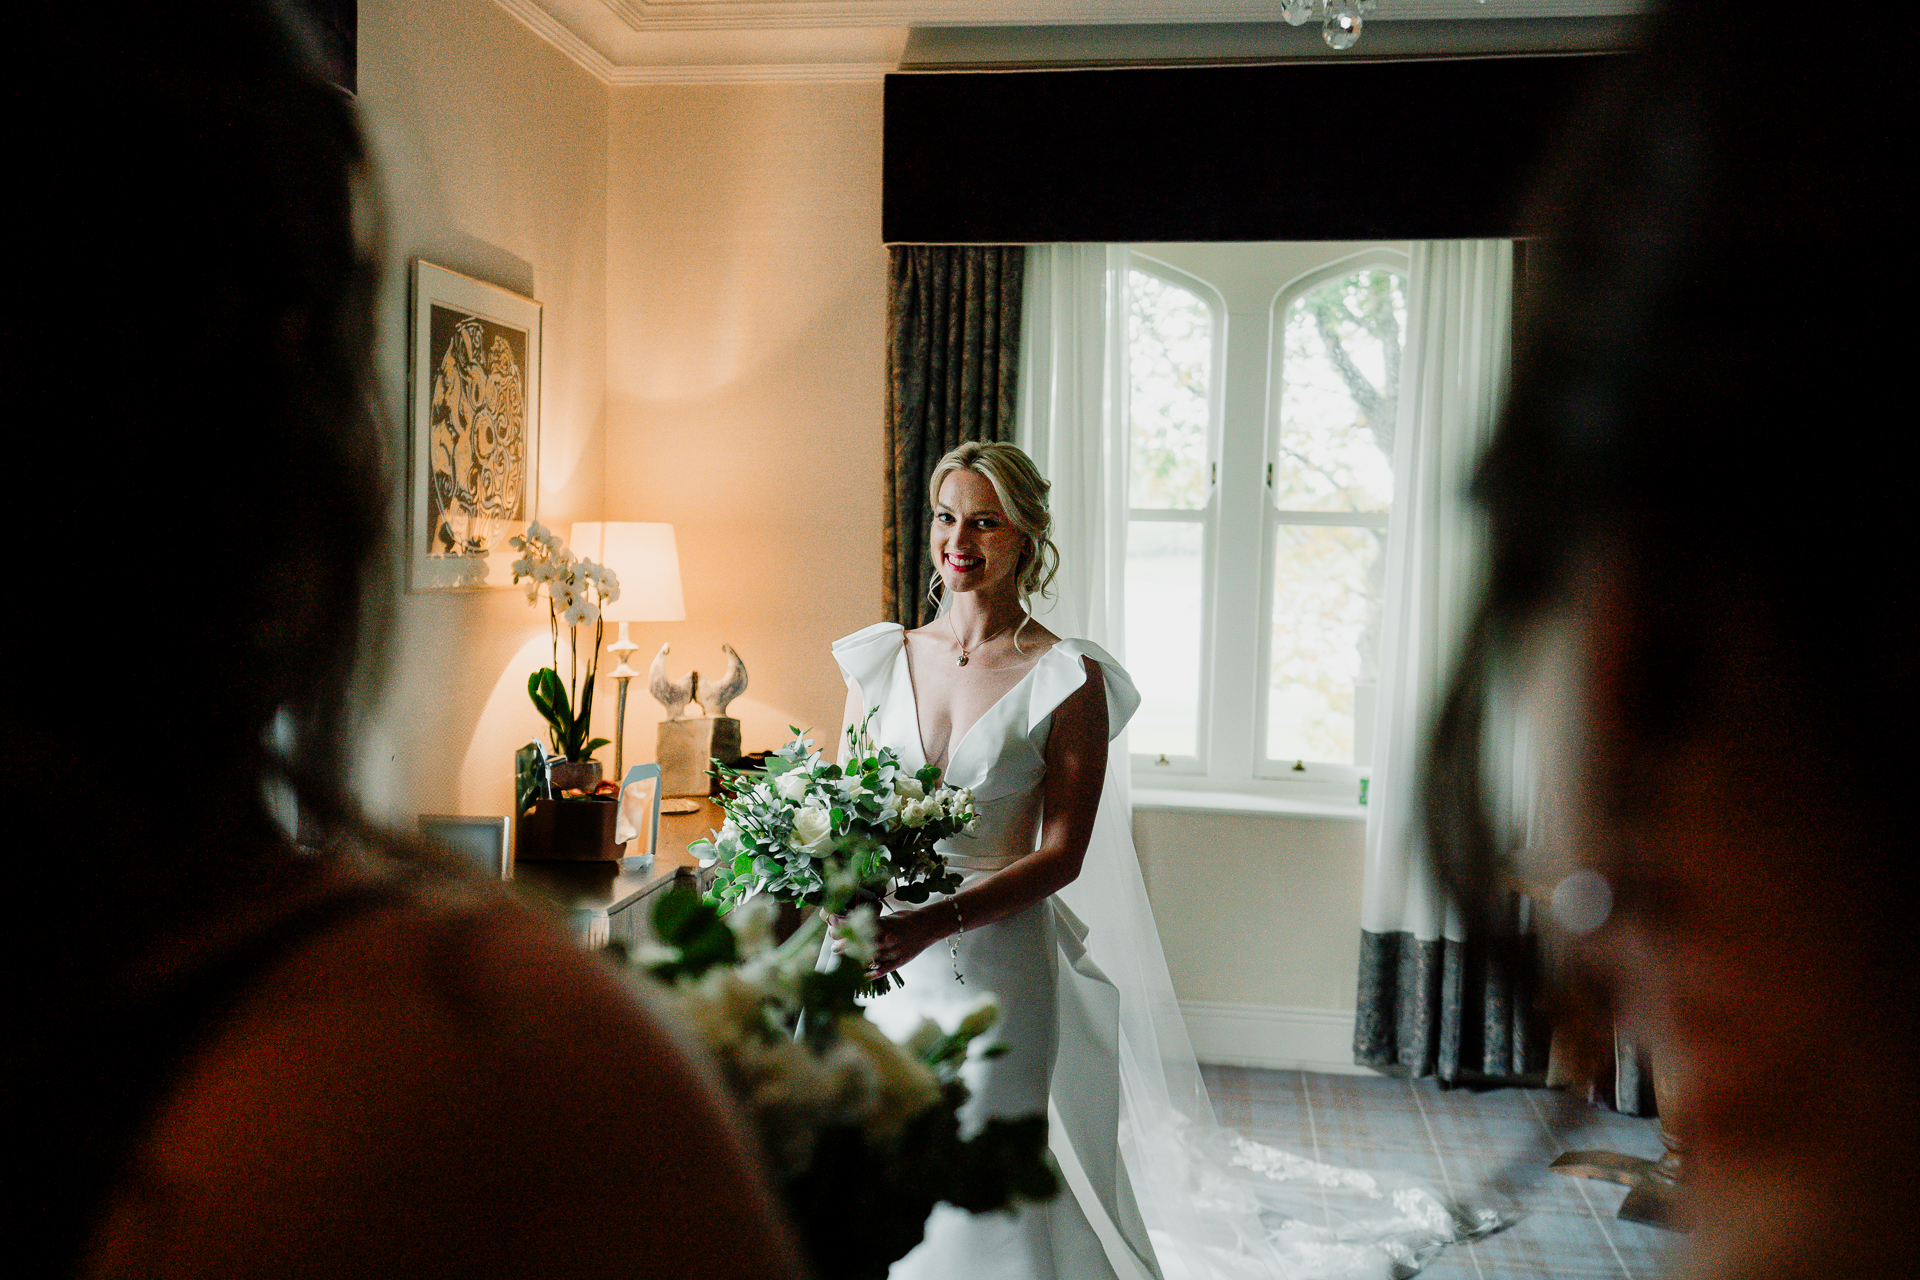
(1154, 1187)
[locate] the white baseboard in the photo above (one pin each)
(1272, 1036)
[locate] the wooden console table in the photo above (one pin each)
(602, 903)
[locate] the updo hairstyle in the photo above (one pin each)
(1022, 492)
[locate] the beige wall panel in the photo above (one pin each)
(1255, 910)
(746, 378)
(491, 148)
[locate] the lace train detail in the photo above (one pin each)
(1316, 1221)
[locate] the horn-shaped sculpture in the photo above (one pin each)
(690, 744)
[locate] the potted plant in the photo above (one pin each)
(576, 590)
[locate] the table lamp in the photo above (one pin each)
(647, 561)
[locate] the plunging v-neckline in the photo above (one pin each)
(954, 744)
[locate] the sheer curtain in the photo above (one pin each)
(1428, 1004)
(1183, 1198)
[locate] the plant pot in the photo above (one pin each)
(567, 831)
(576, 775)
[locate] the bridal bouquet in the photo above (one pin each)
(862, 1134)
(795, 825)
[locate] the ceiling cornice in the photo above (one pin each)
(764, 15)
(642, 42)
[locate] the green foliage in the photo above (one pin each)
(694, 931)
(861, 1200)
(569, 732)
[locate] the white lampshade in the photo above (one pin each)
(644, 558)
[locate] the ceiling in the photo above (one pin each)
(722, 41)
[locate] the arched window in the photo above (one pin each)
(1175, 339)
(1337, 343)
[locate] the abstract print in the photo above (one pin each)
(477, 433)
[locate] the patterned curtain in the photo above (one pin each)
(1442, 1008)
(953, 344)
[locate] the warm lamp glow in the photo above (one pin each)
(645, 559)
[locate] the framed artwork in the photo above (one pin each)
(473, 429)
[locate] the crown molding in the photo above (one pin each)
(561, 37)
(763, 15)
(761, 73)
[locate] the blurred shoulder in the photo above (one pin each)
(444, 1086)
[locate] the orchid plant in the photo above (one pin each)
(576, 591)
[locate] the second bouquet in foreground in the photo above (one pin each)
(805, 831)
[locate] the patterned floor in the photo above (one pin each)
(1468, 1145)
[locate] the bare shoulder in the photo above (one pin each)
(434, 1091)
(1036, 639)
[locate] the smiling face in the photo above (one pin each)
(975, 546)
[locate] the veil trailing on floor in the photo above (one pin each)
(1184, 1198)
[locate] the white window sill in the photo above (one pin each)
(1245, 804)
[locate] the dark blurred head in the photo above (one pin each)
(191, 349)
(1696, 586)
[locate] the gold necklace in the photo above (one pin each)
(966, 654)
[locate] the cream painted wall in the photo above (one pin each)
(491, 149)
(746, 378)
(1255, 910)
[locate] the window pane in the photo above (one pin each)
(1169, 359)
(1163, 635)
(1327, 583)
(1339, 394)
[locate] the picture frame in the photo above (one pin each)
(640, 813)
(485, 842)
(473, 429)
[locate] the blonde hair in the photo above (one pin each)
(1022, 492)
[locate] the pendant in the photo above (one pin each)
(961, 661)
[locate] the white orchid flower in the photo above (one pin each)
(580, 612)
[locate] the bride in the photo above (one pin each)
(1023, 718)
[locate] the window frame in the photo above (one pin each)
(1313, 775)
(1229, 760)
(1206, 516)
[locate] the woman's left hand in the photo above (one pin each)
(902, 936)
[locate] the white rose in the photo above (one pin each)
(791, 786)
(914, 813)
(909, 788)
(812, 829)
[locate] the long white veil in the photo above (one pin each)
(1215, 1205)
